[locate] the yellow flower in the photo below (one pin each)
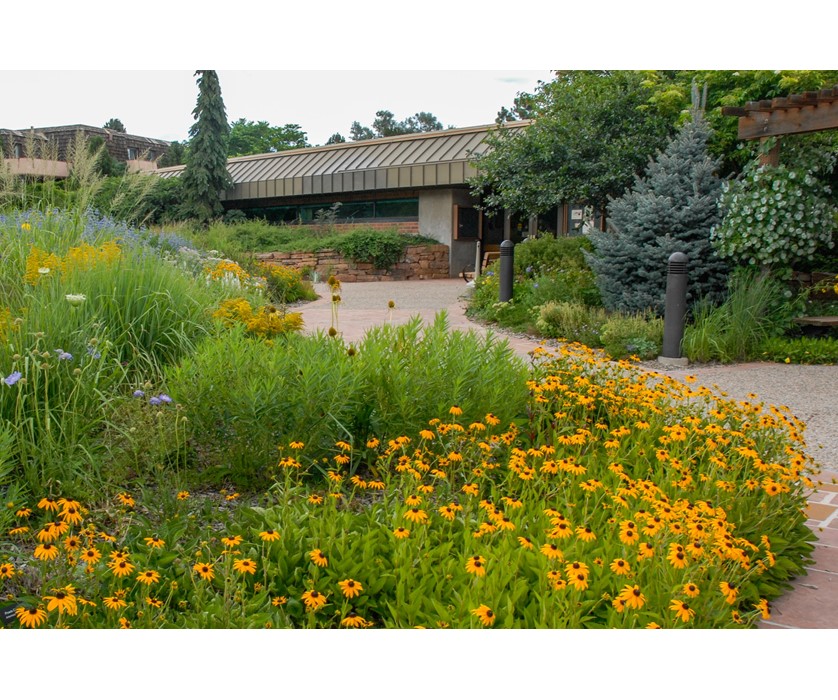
(354, 620)
(400, 533)
(7, 570)
(313, 600)
(632, 597)
(296, 445)
(350, 587)
(318, 558)
(46, 551)
(485, 614)
(475, 565)
(182, 495)
(455, 411)
(31, 617)
(762, 606)
(729, 592)
(155, 542)
(682, 610)
(120, 567)
(233, 541)
(204, 571)
(416, 515)
(690, 590)
(620, 567)
(148, 577)
(269, 535)
(245, 566)
(552, 551)
(64, 601)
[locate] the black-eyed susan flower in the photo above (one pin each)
(148, 577)
(682, 610)
(729, 592)
(269, 535)
(350, 587)
(63, 601)
(632, 597)
(48, 533)
(182, 495)
(296, 445)
(315, 499)
(233, 541)
(763, 609)
(578, 581)
(47, 503)
(46, 551)
(31, 617)
(352, 619)
(7, 570)
(278, 600)
(416, 515)
(455, 411)
(155, 542)
(153, 602)
(413, 500)
(71, 514)
(690, 590)
(645, 550)
(125, 499)
(314, 600)
(620, 567)
(485, 614)
(124, 623)
(401, 533)
(447, 512)
(552, 551)
(318, 558)
(525, 542)
(23, 529)
(120, 567)
(585, 533)
(245, 566)
(90, 555)
(23, 512)
(114, 602)
(476, 565)
(205, 571)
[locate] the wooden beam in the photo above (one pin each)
(793, 120)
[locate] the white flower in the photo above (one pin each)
(75, 299)
(43, 270)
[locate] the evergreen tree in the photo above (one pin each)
(671, 208)
(205, 175)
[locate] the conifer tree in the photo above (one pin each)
(672, 207)
(205, 175)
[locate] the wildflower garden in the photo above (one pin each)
(176, 453)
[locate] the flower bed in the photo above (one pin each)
(621, 499)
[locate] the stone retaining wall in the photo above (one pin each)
(420, 262)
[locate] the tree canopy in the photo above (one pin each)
(205, 175)
(595, 130)
(249, 137)
(114, 124)
(385, 124)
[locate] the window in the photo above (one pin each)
(18, 151)
(132, 153)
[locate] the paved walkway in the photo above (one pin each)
(809, 392)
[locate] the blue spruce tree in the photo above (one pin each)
(671, 208)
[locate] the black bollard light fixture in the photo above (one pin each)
(507, 271)
(675, 312)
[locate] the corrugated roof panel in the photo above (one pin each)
(391, 159)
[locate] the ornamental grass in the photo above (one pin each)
(620, 499)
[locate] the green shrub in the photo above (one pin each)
(572, 321)
(382, 249)
(635, 334)
(548, 254)
(800, 351)
(758, 306)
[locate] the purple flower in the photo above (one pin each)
(13, 378)
(64, 355)
(95, 354)
(165, 398)
(139, 393)
(154, 401)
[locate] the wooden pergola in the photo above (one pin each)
(785, 116)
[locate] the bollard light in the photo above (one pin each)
(507, 271)
(675, 312)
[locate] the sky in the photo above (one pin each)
(159, 103)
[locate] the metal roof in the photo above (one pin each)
(437, 158)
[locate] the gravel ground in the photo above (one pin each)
(809, 391)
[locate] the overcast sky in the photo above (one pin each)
(159, 104)
(323, 65)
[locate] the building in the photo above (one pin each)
(43, 151)
(415, 182)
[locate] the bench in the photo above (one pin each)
(820, 321)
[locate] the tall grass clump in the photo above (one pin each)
(756, 308)
(317, 391)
